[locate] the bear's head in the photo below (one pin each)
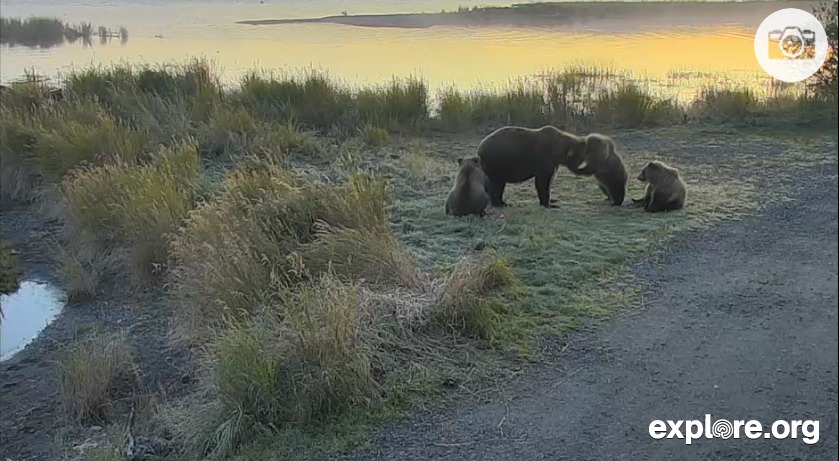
(651, 169)
(474, 161)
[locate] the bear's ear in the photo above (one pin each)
(460, 160)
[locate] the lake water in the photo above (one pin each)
(675, 60)
(25, 313)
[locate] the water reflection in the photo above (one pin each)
(466, 57)
(52, 42)
(25, 313)
(42, 32)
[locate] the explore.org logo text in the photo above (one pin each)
(694, 429)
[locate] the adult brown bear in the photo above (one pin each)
(468, 196)
(514, 154)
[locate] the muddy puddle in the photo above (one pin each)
(26, 313)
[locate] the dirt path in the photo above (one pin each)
(740, 322)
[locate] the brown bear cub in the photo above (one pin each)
(514, 154)
(603, 162)
(469, 195)
(665, 189)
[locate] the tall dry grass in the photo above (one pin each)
(93, 373)
(134, 206)
(240, 250)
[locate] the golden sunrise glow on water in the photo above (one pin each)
(466, 57)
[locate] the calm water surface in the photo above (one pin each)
(171, 32)
(25, 313)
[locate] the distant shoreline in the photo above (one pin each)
(596, 15)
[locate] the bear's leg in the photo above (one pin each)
(543, 190)
(654, 206)
(605, 191)
(495, 189)
(617, 193)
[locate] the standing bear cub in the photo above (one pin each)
(514, 154)
(665, 189)
(469, 195)
(603, 162)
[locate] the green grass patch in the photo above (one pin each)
(562, 256)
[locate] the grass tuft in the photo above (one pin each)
(373, 256)
(135, 207)
(725, 104)
(472, 302)
(94, 139)
(94, 373)
(631, 106)
(238, 251)
(9, 272)
(373, 136)
(298, 364)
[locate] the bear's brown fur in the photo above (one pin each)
(514, 154)
(56, 94)
(469, 195)
(665, 189)
(602, 161)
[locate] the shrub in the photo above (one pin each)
(454, 110)
(229, 131)
(629, 105)
(18, 177)
(84, 135)
(84, 266)
(373, 136)
(231, 255)
(9, 273)
(520, 104)
(375, 257)
(299, 363)
(313, 100)
(27, 95)
(135, 206)
(239, 251)
(826, 80)
(93, 374)
(400, 103)
(289, 139)
(469, 304)
(725, 104)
